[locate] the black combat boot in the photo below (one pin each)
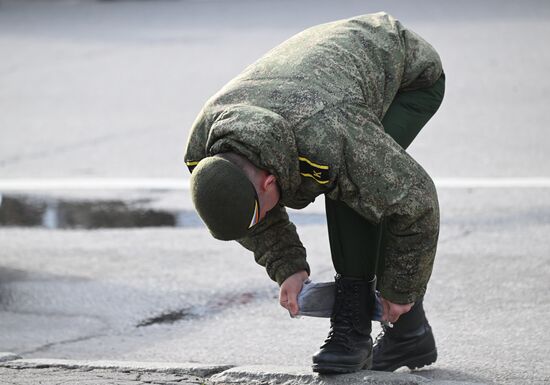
(348, 347)
(409, 343)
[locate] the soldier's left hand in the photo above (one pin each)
(291, 287)
(392, 311)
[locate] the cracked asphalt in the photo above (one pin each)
(55, 376)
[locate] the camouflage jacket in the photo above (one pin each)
(309, 111)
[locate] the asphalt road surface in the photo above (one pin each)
(109, 89)
(178, 295)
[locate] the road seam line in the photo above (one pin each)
(175, 184)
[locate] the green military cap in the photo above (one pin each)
(224, 197)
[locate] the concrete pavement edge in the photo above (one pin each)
(193, 369)
(226, 374)
(7, 356)
(297, 375)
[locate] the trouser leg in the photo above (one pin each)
(356, 246)
(411, 110)
(356, 243)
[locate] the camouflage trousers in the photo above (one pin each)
(356, 244)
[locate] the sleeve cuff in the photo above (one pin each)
(286, 270)
(398, 297)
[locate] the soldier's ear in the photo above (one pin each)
(269, 182)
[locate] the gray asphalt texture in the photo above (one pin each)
(177, 295)
(110, 89)
(115, 85)
(55, 376)
(48, 371)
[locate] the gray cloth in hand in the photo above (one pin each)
(317, 300)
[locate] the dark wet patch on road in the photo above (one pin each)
(215, 305)
(168, 317)
(53, 213)
(57, 213)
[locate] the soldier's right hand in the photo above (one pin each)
(291, 287)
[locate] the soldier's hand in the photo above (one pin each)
(392, 311)
(291, 287)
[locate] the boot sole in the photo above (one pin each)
(339, 369)
(416, 362)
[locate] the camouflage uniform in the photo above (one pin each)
(310, 112)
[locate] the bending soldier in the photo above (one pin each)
(331, 111)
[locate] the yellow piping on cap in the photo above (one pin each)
(256, 215)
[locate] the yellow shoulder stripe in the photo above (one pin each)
(316, 180)
(312, 164)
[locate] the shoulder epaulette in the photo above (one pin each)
(317, 172)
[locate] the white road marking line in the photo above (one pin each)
(58, 184)
(521, 182)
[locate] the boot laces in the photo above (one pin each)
(339, 335)
(341, 326)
